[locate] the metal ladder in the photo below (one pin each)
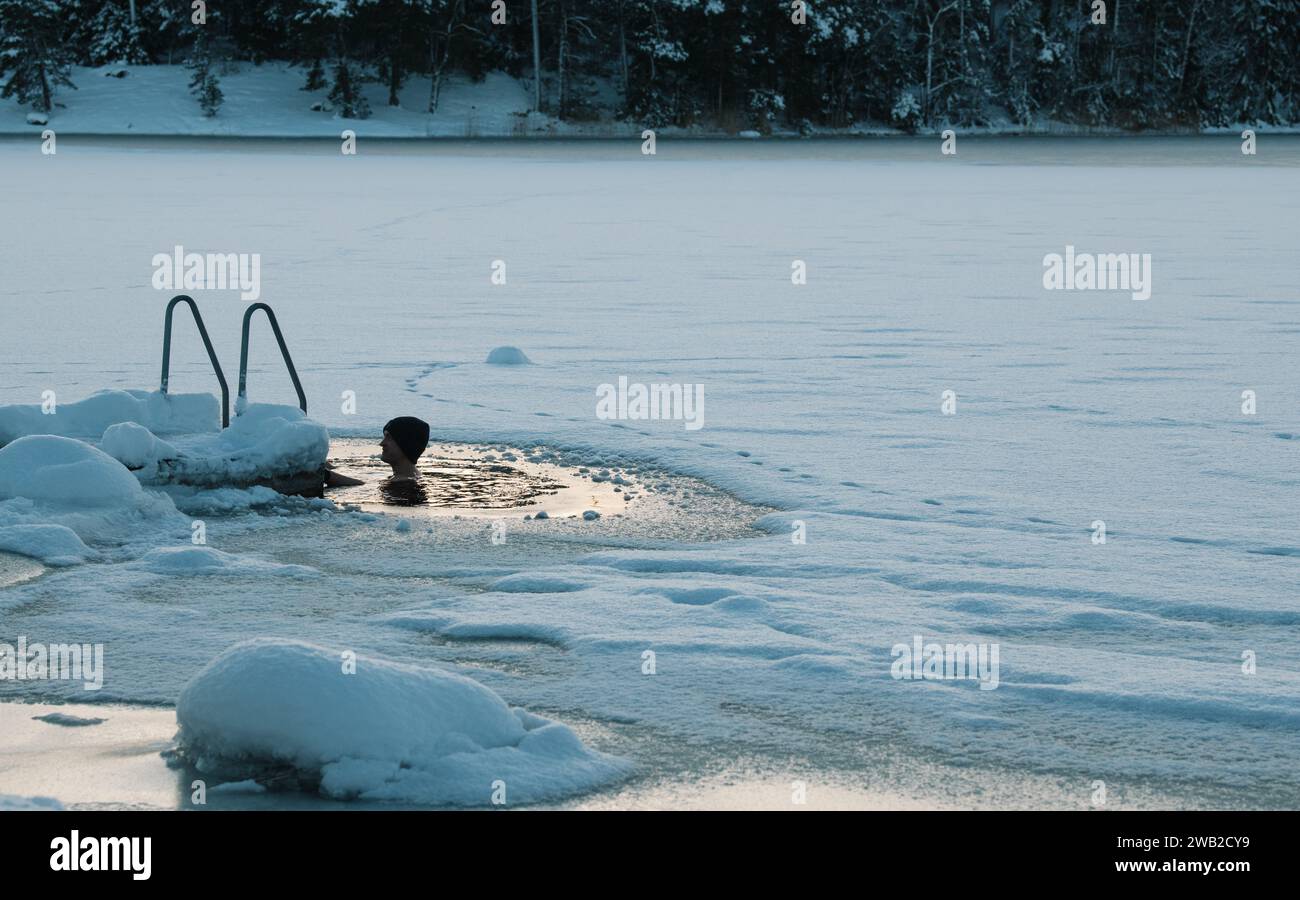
(243, 354)
(207, 345)
(284, 351)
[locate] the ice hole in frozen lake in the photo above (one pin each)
(501, 481)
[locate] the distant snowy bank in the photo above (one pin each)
(267, 101)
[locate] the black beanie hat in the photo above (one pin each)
(411, 434)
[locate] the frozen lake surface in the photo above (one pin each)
(1120, 662)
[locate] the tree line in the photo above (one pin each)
(730, 64)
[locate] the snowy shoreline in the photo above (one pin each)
(267, 101)
(1056, 131)
(114, 756)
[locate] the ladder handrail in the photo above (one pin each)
(284, 351)
(207, 345)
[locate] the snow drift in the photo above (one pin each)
(386, 732)
(96, 471)
(211, 561)
(58, 493)
(264, 442)
(89, 418)
(135, 446)
(63, 471)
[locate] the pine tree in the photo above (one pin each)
(210, 97)
(108, 36)
(974, 88)
(1252, 65)
(1017, 52)
(345, 95)
(725, 63)
(315, 76)
(313, 29)
(32, 53)
(203, 83)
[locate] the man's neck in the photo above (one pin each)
(404, 470)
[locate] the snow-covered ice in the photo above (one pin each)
(1123, 662)
(210, 561)
(13, 803)
(69, 721)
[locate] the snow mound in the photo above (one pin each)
(135, 446)
(210, 561)
(265, 441)
(224, 501)
(59, 494)
(54, 545)
(247, 786)
(88, 419)
(529, 583)
(63, 471)
(742, 603)
(508, 356)
(387, 732)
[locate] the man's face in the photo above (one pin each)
(389, 452)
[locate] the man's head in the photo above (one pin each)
(404, 440)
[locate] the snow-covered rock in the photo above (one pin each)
(384, 732)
